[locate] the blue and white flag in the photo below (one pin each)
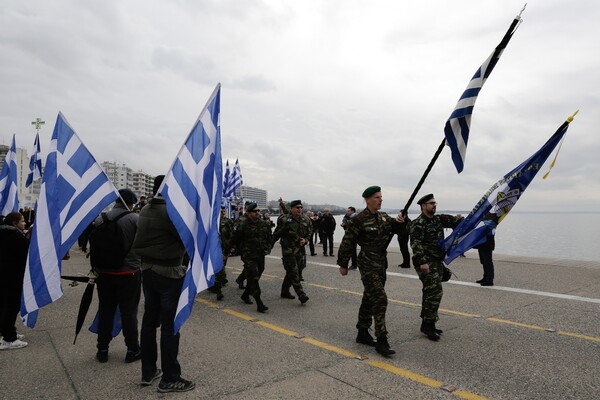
(458, 124)
(35, 162)
(192, 189)
(9, 191)
(235, 180)
(74, 191)
(495, 205)
(226, 179)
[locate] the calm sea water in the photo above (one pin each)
(572, 236)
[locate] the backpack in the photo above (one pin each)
(107, 245)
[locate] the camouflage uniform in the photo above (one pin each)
(425, 234)
(242, 276)
(291, 230)
(373, 232)
(226, 235)
(253, 241)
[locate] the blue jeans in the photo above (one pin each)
(161, 295)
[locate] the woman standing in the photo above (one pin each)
(14, 244)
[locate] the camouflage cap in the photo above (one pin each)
(251, 207)
(425, 199)
(295, 203)
(370, 191)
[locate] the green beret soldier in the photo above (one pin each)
(372, 230)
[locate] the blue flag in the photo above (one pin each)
(74, 191)
(35, 162)
(192, 189)
(235, 180)
(459, 123)
(226, 179)
(498, 201)
(9, 191)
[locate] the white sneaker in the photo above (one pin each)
(17, 344)
(20, 336)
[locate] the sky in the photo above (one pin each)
(319, 99)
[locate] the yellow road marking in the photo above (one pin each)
(577, 335)
(276, 328)
(238, 314)
(504, 321)
(467, 395)
(406, 373)
(322, 286)
(330, 347)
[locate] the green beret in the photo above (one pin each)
(295, 203)
(251, 206)
(370, 191)
(425, 199)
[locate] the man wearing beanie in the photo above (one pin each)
(163, 272)
(118, 285)
(372, 230)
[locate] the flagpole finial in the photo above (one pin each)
(522, 9)
(570, 119)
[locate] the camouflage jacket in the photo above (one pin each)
(252, 239)
(373, 233)
(425, 235)
(226, 235)
(290, 230)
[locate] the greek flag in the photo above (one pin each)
(9, 197)
(192, 189)
(495, 205)
(235, 180)
(458, 124)
(35, 162)
(226, 179)
(74, 191)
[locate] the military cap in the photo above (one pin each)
(295, 203)
(251, 207)
(128, 196)
(370, 191)
(223, 207)
(425, 199)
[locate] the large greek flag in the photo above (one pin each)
(498, 201)
(74, 191)
(35, 162)
(235, 180)
(193, 189)
(458, 124)
(9, 196)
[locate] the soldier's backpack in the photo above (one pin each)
(107, 245)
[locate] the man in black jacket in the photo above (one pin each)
(327, 227)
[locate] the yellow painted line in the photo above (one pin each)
(579, 336)
(276, 328)
(463, 314)
(330, 347)
(350, 292)
(406, 303)
(271, 276)
(405, 373)
(206, 302)
(322, 286)
(238, 314)
(504, 321)
(468, 395)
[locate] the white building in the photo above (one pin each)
(124, 177)
(247, 193)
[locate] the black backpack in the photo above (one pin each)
(107, 245)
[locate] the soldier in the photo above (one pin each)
(253, 240)
(293, 230)
(242, 276)
(372, 230)
(425, 233)
(225, 235)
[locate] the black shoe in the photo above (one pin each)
(404, 265)
(180, 385)
(220, 296)
(246, 298)
(383, 347)
(486, 283)
(303, 298)
(147, 380)
(428, 328)
(364, 337)
(133, 355)
(352, 267)
(260, 307)
(325, 255)
(331, 255)
(287, 295)
(240, 284)
(479, 281)
(313, 254)
(102, 355)
(301, 279)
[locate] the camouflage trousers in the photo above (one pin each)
(432, 291)
(292, 265)
(254, 269)
(374, 302)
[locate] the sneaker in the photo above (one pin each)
(147, 380)
(133, 355)
(180, 385)
(20, 336)
(16, 344)
(102, 355)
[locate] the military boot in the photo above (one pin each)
(285, 294)
(364, 337)
(260, 306)
(303, 298)
(428, 328)
(438, 331)
(246, 297)
(383, 347)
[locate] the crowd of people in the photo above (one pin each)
(151, 258)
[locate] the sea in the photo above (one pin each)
(564, 235)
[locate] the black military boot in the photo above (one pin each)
(240, 283)
(364, 337)
(246, 297)
(285, 294)
(260, 306)
(303, 298)
(438, 331)
(383, 347)
(428, 328)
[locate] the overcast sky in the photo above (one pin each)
(319, 99)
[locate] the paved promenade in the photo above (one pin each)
(535, 335)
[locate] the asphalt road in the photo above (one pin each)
(535, 335)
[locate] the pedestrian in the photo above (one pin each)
(350, 213)
(119, 278)
(372, 229)
(327, 227)
(486, 249)
(163, 272)
(293, 230)
(253, 240)
(14, 245)
(311, 244)
(425, 234)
